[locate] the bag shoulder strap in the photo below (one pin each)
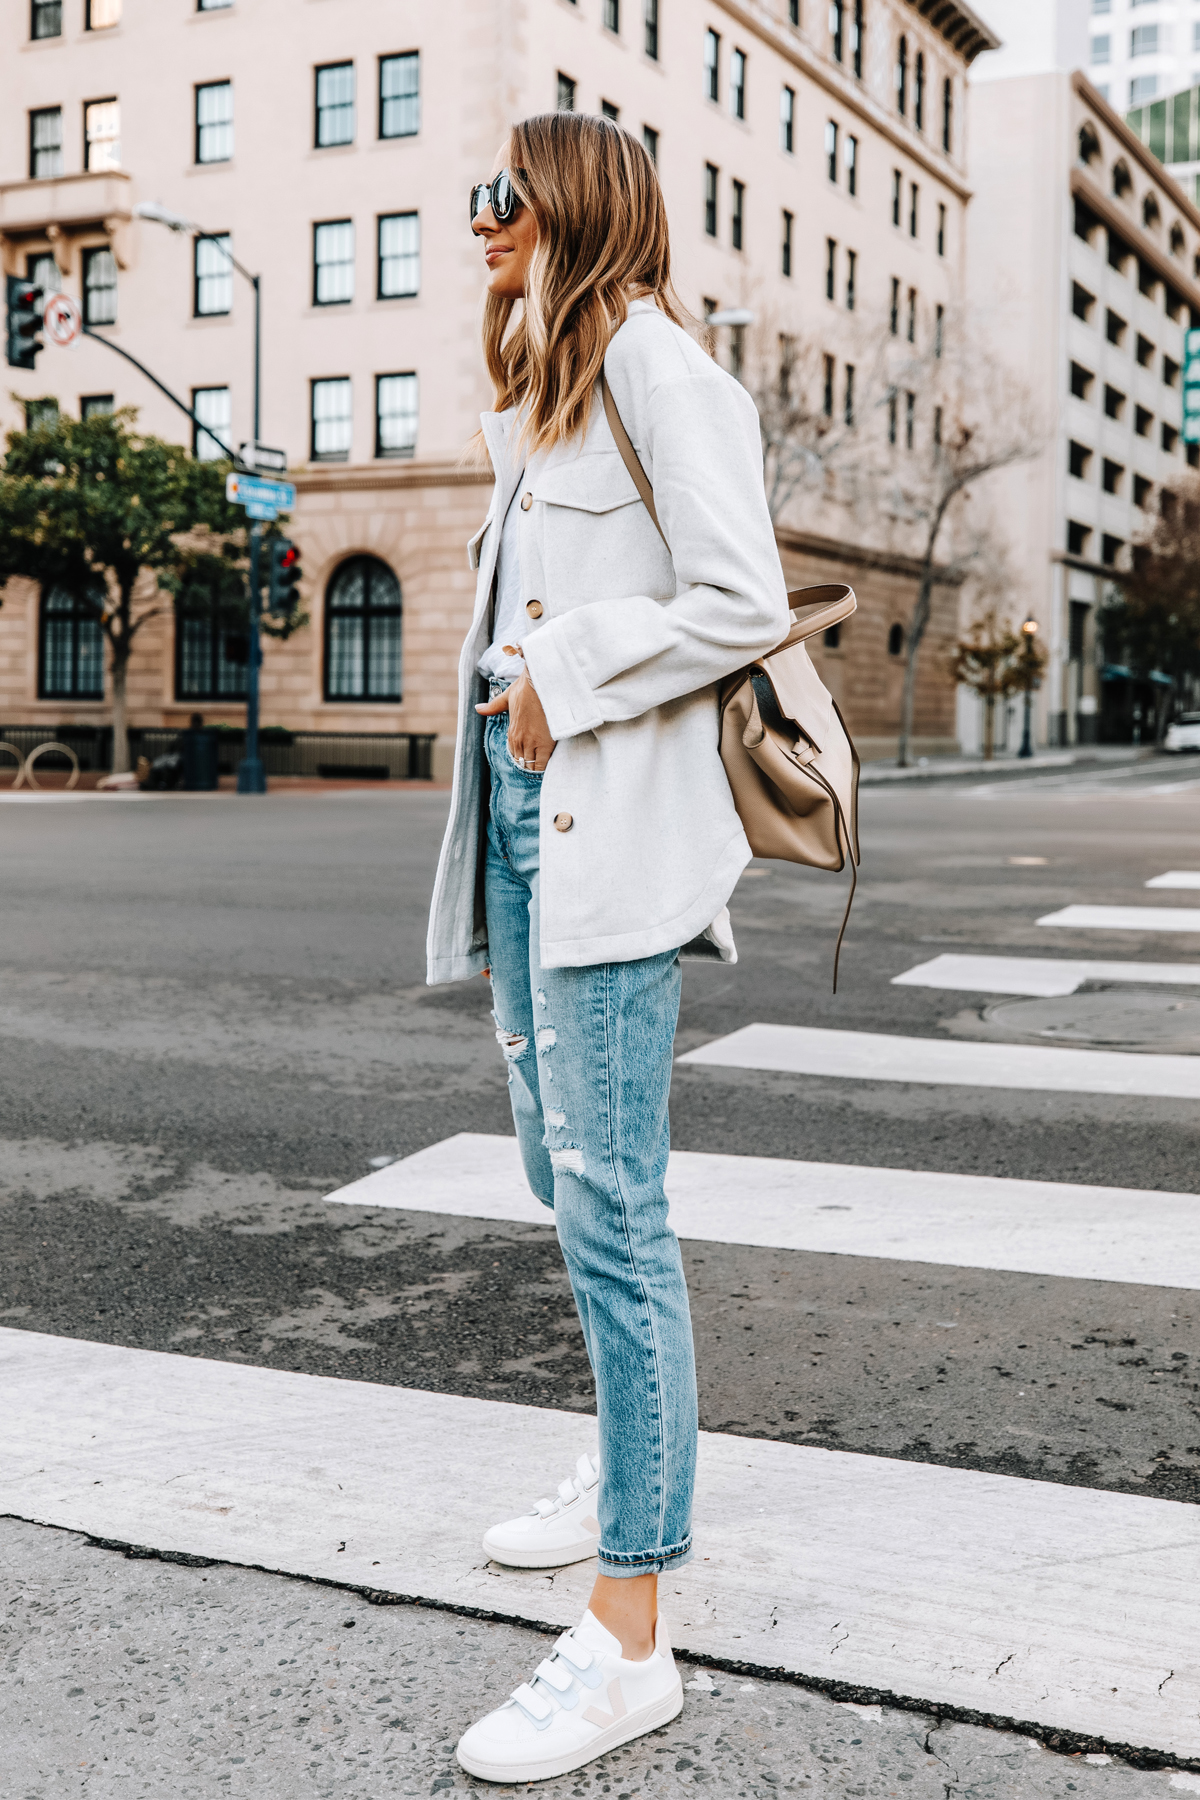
(629, 455)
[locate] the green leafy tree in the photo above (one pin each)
(126, 523)
(996, 661)
(1152, 622)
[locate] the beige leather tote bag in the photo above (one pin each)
(791, 763)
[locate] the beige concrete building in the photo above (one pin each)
(1085, 264)
(814, 159)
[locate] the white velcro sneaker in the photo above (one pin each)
(554, 1532)
(584, 1700)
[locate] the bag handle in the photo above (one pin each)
(629, 455)
(815, 609)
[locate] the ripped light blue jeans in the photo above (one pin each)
(589, 1071)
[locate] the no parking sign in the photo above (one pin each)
(63, 319)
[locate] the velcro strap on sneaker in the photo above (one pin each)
(556, 1675)
(587, 1472)
(544, 1508)
(535, 1706)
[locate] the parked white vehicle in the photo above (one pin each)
(1183, 733)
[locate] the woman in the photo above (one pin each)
(592, 838)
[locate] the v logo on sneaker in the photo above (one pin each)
(616, 1700)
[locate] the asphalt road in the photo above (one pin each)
(213, 1012)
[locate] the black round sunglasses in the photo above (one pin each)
(500, 195)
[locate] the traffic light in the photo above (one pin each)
(285, 576)
(25, 302)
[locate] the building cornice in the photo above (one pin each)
(852, 95)
(347, 478)
(1131, 142)
(963, 30)
(1138, 239)
(1104, 571)
(861, 556)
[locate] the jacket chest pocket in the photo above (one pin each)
(598, 540)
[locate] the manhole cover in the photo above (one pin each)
(1114, 1018)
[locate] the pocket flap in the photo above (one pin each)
(596, 482)
(474, 544)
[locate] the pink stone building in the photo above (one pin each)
(814, 159)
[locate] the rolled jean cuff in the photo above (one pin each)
(653, 1562)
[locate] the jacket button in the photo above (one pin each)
(563, 821)
(534, 608)
(526, 502)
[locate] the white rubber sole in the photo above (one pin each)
(547, 1557)
(634, 1725)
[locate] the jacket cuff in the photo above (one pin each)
(567, 699)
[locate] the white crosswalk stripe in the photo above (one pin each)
(1176, 878)
(1045, 976)
(1126, 918)
(908, 1215)
(1017, 1598)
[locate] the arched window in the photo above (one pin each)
(1151, 217)
(1122, 180)
(1178, 241)
(71, 658)
(1089, 142)
(896, 640)
(362, 632)
(902, 77)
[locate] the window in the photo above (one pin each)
(941, 230)
(859, 37)
(827, 399)
(212, 5)
(650, 140)
(103, 13)
(45, 144)
(787, 119)
(99, 287)
(214, 122)
(712, 59)
(788, 222)
(919, 95)
(399, 256)
(1170, 437)
(1147, 279)
(894, 316)
(1170, 372)
(362, 632)
(332, 420)
(911, 332)
(333, 263)
(1101, 6)
(213, 407)
(1114, 327)
(937, 427)
(832, 636)
(914, 195)
(1082, 302)
(395, 415)
(211, 657)
(40, 412)
(897, 195)
(610, 110)
(102, 135)
(1113, 403)
(831, 150)
(787, 362)
(737, 84)
(737, 351)
(212, 276)
(851, 161)
(939, 331)
(566, 93)
(1078, 458)
(948, 115)
(902, 77)
(848, 409)
(837, 29)
(1110, 478)
(652, 29)
(1142, 88)
(335, 105)
(44, 272)
(830, 267)
(72, 647)
(1110, 549)
(1142, 488)
(1081, 381)
(612, 15)
(739, 213)
(1143, 420)
(400, 95)
(895, 640)
(1143, 40)
(1145, 351)
(1101, 50)
(893, 414)
(1077, 538)
(47, 19)
(851, 274)
(1122, 180)
(793, 12)
(710, 199)
(95, 406)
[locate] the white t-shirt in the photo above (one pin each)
(509, 617)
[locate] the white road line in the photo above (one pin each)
(1045, 976)
(1061, 1606)
(1126, 918)
(873, 1056)
(1176, 878)
(906, 1215)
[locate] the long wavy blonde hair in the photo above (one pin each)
(602, 241)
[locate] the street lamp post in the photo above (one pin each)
(1028, 633)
